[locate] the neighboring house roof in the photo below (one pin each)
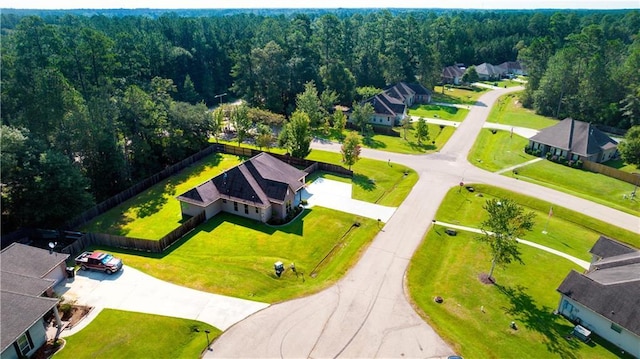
(611, 288)
(510, 66)
(575, 136)
(488, 70)
(384, 104)
(260, 180)
(29, 261)
(22, 271)
(419, 89)
(607, 247)
(451, 72)
(19, 312)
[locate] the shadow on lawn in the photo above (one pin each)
(371, 143)
(542, 320)
(363, 182)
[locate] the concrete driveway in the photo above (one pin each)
(337, 195)
(136, 291)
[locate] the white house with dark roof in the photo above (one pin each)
(606, 299)
(27, 276)
(390, 106)
(575, 140)
(452, 75)
(260, 188)
(488, 72)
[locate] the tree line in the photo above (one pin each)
(92, 104)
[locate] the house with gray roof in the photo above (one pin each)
(575, 140)
(452, 75)
(27, 276)
(488, 72)
(606, 299)
(511, 68)
(390, 106)
(260, 188)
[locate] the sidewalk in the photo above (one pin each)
(582, 263)
(518, 166)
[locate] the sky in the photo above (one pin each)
(213, 4)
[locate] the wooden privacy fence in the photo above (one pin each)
(612, 172)
(139, 187)
(137, 244)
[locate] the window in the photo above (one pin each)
(246, 209)
(235, 206)
(24, 344)
(257, 210)
(616, 328)
(224, 200)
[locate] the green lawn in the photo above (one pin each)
(155, 212)
(592, 186)
(438, 137)
(494, 152)
(503, 83)
(457, 95)
(375, 181)
(439, 111)
(121, 334)
(568, 231)
(509, 111)
(449, 267)
(232, 255)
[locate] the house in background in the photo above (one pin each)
(575, 140)
(606, 299)
(261, 188)
(28, 275)
(390, 106)
(488, 72)
(511, 69)
(452, 75)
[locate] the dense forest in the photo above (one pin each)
(92, 104)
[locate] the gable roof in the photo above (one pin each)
(18, 312)
(419, 89)
(384, 104)
(29, 261)
(451, 72)
(260, 180)
(510, 66)
(575, 136)
(19, 283)
(486, 68)
(607, 247)
(611, 288)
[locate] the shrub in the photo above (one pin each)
(554, 158)
(579, 164)
(548, 155)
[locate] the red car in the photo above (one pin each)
(99, 261)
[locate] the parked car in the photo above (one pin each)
(99, 261)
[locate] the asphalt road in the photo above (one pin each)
(366, 314)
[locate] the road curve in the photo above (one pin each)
(366, 313)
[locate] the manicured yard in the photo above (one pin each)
(622, 166)
(449, 267)
(509, 111)
(121, 334)
(232, 255)
(438, 136)
(155, 212)
(457, 95)
(375, 181)
(494, 152)
(439, 111)
(503, 83)
(592, 186)
(526, 294)
(568, 231)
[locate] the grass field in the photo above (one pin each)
(450, 266)
(457, 95)
(508, 111)
(503, 83)
(232, 255)
(121, 334)
(595, 187)
(438, 137)
(155, 212)
(439, 111)
(622, 166)
(494, 152)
